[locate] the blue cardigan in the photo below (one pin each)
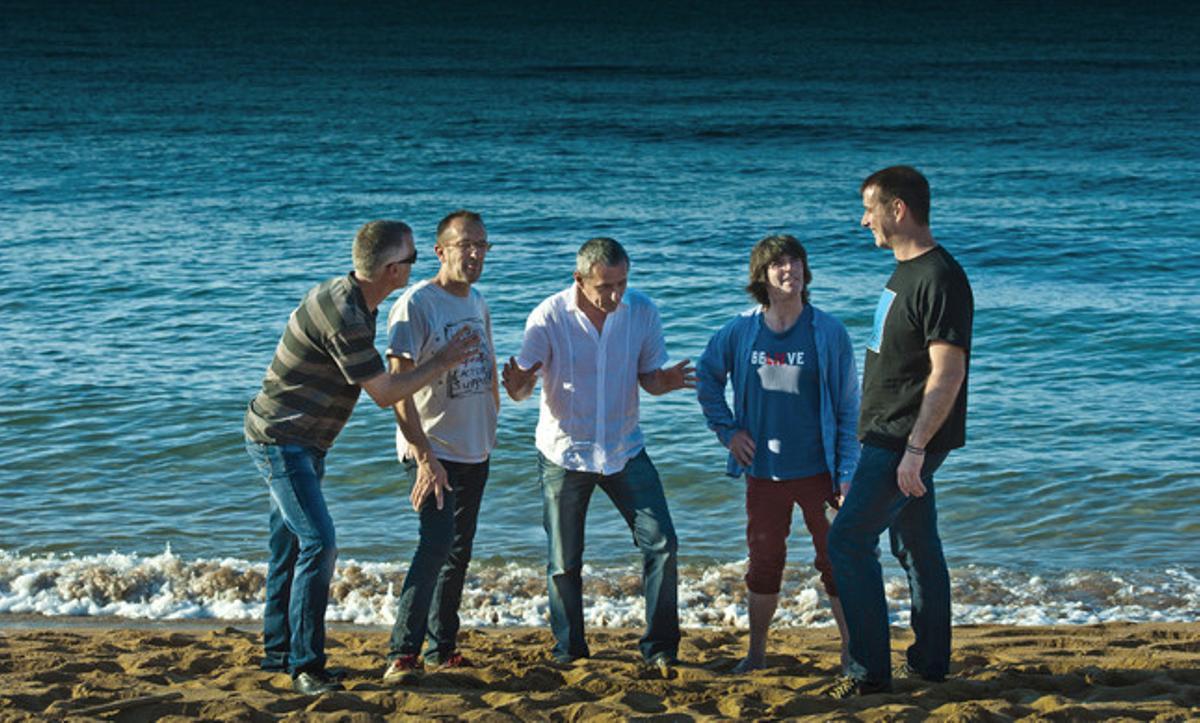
(725, 355)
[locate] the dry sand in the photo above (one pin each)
(120, 671)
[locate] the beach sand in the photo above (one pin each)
(118, 670)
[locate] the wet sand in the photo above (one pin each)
(116, 670)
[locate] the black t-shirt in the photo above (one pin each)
(927, 299)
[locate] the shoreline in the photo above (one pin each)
(143, 670)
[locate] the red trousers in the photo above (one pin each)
(769, 521)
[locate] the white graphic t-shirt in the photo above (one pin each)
(458, 411)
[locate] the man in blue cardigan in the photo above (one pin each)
(792, 429)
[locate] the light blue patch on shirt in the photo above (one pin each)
(881, 312)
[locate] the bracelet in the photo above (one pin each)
(918, 451)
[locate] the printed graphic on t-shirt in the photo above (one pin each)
(881, 313)
(778, 371)
(473, 376)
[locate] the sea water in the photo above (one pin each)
(174, 178)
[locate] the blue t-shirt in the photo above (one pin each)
(783, 402)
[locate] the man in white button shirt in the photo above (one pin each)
(594, 345)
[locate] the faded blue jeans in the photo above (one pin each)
(433, 586)
(874, 504)
(638, 495)
(303, 548)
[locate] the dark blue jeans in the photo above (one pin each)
(638, 495)
(433, 586)
(874, 504)
(303, 548)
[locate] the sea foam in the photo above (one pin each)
(169, 587)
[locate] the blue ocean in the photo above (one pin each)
(174, 177)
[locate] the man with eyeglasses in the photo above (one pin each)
(324, 359)
(444, 438)
(595, 344)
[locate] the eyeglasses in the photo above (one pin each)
(406, 260)
(480, 246)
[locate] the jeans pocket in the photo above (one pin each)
(262, 460)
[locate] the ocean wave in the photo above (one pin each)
(168, 587)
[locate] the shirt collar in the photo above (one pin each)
(356, 293)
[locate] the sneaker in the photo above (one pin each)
(849, 687)
(663, 664)
(402, 668)
(904, 671)
(454, 660)
(315, 682)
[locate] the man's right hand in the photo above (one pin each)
(431, 478)
(461, 347)
(518, 382)
(742, 447)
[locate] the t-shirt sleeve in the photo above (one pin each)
(951, 309)
(406, 328)
(653, 354)
(353, 350)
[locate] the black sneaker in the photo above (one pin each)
(849, 687)
(315, 682)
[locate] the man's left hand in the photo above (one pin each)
(908, 475)
(680, 376)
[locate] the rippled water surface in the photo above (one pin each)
(174, 178)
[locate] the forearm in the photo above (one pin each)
(403, 384)
(409, 422)
(941, 391)
(649, 382)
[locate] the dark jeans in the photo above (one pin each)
(638, 495)
(874, 504)
(303, 549)
(433, 587)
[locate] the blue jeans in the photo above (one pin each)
(874, 504)
(433, 586)
(303, 548)
(638, 495)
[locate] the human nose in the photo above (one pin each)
(866, 219)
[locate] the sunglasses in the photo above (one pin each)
(406, 260)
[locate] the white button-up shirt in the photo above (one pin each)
(589, 406)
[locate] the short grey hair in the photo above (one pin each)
(374, 242)
(600, 250)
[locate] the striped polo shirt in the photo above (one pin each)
(326, 352)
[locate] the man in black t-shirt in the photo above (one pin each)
(914, 411)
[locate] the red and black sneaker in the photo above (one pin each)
(402, 668)
(455, 660)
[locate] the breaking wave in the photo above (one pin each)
(169, 587)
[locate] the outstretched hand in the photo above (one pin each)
(462, 346)
(668, 379)
(518, 382)
(680, 376)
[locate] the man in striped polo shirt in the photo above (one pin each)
(326, 357)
